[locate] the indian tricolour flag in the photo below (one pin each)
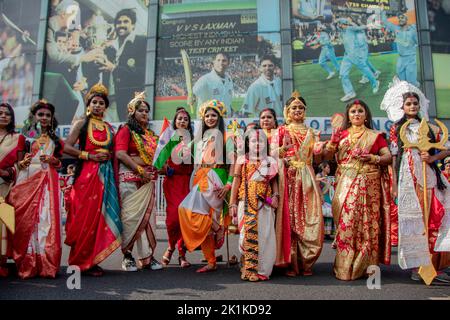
(168, 140)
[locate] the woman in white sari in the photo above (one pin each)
(135, 147)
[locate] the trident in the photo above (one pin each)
(428, 273)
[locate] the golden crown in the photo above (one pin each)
(97, 88)
(214, 104)
(138, 97)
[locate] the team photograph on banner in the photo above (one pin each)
(91, 42)
(344, 50)
(226, 50)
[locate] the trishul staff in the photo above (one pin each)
(428, 272)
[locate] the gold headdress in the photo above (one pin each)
(97, 88)
(296, 95)
(135, 102)
(214, 104)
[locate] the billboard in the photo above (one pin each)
(344, 50)
(439, 19)
(19, 26)
(89, 42)
(226, 50)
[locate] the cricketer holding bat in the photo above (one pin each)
(215, 84)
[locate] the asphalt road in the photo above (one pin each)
(176, 283)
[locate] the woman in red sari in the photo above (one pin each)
(93, 227)
(37, 239)
(176, 186)
(362, 197)
(12, 147)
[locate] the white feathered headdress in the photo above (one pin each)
(393, 100)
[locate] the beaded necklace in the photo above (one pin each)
(146, 145)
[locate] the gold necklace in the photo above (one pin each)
(355, 133)
(100, 125)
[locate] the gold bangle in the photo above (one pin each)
(140, 170)
(84, 155)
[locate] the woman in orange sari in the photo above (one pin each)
(362, 197)
(299, 221)
(93, 227)
(12, 146)
(37, 239)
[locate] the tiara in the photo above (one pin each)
(138, 96)
(214, 104)
(97, 88)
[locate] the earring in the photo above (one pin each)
(88, 112)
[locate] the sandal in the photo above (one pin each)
(167, 256)
(262, 278)
(207, 268)
(307, 273)
(291, 273)
(220, 237)
(183, 262)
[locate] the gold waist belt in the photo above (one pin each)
(299, 164)
(102, 150)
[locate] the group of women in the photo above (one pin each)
(261, 180)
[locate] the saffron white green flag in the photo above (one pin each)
(168, 140)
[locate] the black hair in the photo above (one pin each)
(323, 165)
(189, 128)
(132, 123)
(368, 122)
(97, 94)
(226, 55)
(268, 57)
(249, 133)
(274, 114)
(11, 127)
(130, 13)
(30, 123)
(220, 126)
(399, 124)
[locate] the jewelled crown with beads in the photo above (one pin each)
(214, 104)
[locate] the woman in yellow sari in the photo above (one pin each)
(299, 221)
(361, 202)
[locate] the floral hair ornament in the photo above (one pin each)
(135, 102)
(213, 104)
(393, 100)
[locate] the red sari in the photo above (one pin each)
(93, 227)
(176, 188)
(9, 149)
(37, 240)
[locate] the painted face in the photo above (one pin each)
(124, 26)
(267, 121)
(141, 114)
(267, 68)
(357, 115)
(97, 106)
(411, 107)
(220, 64)
(44, 116)
(297, 111)
(182, 120)
(5, 117)
(211, 118)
